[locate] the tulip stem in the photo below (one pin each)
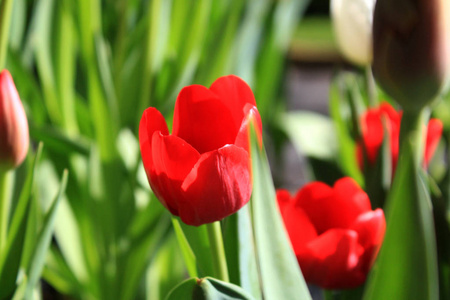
(412, 128)
(5, 21)
(371, 87)
(5, 200)
(218, 251)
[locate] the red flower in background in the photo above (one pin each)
(14, 138)
(373, 134)
(201, 172)
(334, 232)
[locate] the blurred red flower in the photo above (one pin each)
(14, 138)
(334, 232)
(373, 134)
(201, 172)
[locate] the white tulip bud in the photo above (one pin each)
(352, 21)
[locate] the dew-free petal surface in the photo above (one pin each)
(173, 159)
(202, 120)
(234, 93)
(330, 260)
(218, 185)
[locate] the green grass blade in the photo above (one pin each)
(188, 254)
(280, 274)
(43, 241)
(406, 267)
(12, 253)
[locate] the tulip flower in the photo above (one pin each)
(411, 44)
(201, 172)
(14, 138)
(334, 232)
(352, 22)
(374, 123)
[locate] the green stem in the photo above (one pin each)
(327, 294)
(412, 128)
(5, 22)
(218, 251)
(371, 87)
(5, 202)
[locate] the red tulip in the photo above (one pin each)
(14, 139)
(333, 231)
(373, 134)
(201, 172)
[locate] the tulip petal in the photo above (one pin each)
(370, 227)
(243, 138)
(331, 260)
(235, 94)
(151, 121)
(14, 136)
(218, 186)
(173, 159)
(203, 120)
(373, 132)
(333, 208)
(434, 132)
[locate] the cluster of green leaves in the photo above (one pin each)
(28, 233)
(85, 71)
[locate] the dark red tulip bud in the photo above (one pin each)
(14, 139)
(411, 40)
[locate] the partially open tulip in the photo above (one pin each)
(201, 172)
(14, 138)
(352, 22)
(333, 231)
(411, 44)
(376, 121)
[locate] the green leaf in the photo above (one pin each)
(280, 274)
(43, 241)
(12, 253)
(199, 242)
(207, 289)
(186, 251)
(340, 111)
(312, 134)
(240, 251)
(406, 267)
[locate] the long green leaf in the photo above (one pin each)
(43, 241)
(12, 253)
(281, 277)
(406, 267)
(207, 289)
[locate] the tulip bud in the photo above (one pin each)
(14, 139)
(352, 22)
(411, 42)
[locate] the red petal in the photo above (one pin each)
(234, 94)
(218, 186)
(242, 139)
(173, 159)
(434, 132)
(370, 227)
(373, 132)
(284, 199)
(333, 208)
(299, 228)
(351, 199)
(203, 120)
(331, 260)
(151, 121)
